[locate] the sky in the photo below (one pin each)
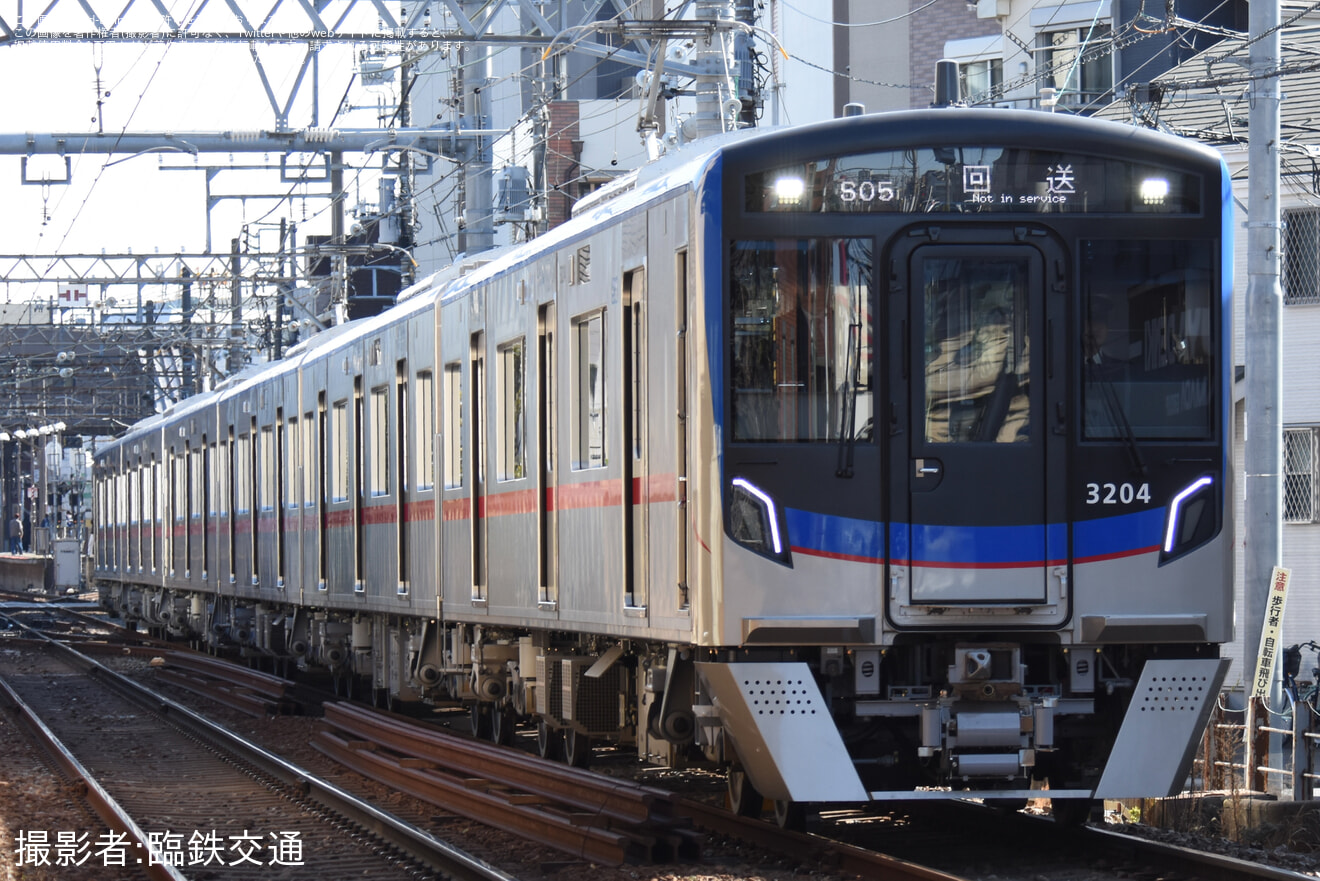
(120, 203)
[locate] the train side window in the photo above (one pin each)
(339, 450)
(425, 430)
(512, 463)
(453, 430)
(588, 359)
(380, 441)
(800, 340)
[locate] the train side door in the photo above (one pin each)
(973, 483)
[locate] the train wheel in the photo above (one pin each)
(744, 800)
(503, 721)
(549, 741)
(1070, 811)
(790, 815)
(479, 717)
(577, 748)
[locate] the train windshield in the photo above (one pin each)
(801, 349)
(1148, 345)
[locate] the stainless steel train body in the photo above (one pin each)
(884, 458)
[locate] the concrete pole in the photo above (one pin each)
(1263, 538)
(714, 59)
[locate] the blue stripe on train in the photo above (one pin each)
(1034, 545)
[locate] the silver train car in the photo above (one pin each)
(878, 459)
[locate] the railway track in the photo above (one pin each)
(175, 790)
(608, 821)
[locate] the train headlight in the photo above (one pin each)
(754, 519)
(789, 189)
(1154, 190)
(1191, 520)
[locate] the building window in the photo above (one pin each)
(1301, 256)
(1299, 460)
(512, 434)
(1078, 64)
(980, 80)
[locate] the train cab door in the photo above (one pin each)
(976, 438)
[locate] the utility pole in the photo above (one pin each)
(716, 103)
(475, 154)
(1263, 541)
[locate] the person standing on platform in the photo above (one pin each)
(15, 533)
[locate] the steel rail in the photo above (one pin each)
(601, 796)
(417, 843)
(104, 804)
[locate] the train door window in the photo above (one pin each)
(477, 376)
(322, 491)
(134, 516)
(680, 453)
(380, 439)
(546, 423)
(310, 460)
(976, 354)
(230, 489)
(280, 491)
(1147, 341)
(151, 516)
(633, 386)
(172, 515)
(266, 456)
(207, 503)
(358, 476)
(511, 413)
(401, 468)
(339, 450)
(801, 340)
(424, 407)
(453, 427)
(292, 449)
(588, 343)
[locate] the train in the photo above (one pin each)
(878, 459)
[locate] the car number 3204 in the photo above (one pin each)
(1117, 493)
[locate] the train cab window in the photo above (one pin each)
(975, 349)
(589, 391)
(801, 359)
(1148, 347)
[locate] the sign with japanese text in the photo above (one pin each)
(1269, 632)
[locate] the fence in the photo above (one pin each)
(1236, 752)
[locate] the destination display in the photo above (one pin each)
(971, 179)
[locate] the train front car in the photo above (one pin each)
(970, 393)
